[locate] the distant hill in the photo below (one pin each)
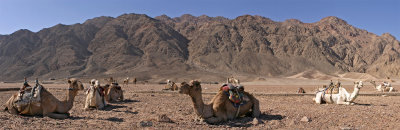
(189, 47)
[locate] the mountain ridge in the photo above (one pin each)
(196, 47)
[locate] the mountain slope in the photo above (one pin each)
(201, 47)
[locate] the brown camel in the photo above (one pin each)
(114, 93)
(109, 81)
(48, 105)
(220, 108)
(134, 81)
(301, 90)
(170, 86)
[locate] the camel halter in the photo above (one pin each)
(238, 110)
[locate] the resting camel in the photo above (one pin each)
(48, 105)
(301, 90)
(385, 86)
(109, 80)
(170, 86)
(95, 96)
(220, 108)
(114, 93)
(343, 97)
(233, 80)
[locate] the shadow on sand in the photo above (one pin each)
(247, 121)
(110, 107)
(363, 104)
(114, 119)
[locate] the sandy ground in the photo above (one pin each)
(278, 112)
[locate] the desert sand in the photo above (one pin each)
(143, 109)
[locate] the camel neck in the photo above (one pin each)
(67, 104)
(198, 103)
(354, 95)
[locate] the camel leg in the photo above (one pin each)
(341, 101)
(99, 101)
(256, 107)
(122, 96)
(214, 120)
(87, 103)
(8, 106)
(390, 89)
(318, 98)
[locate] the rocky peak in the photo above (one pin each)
(332, 20)
(388, 36)
(163, 18)
(293, 21)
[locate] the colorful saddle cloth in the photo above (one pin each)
(236, 97)
(332, 90)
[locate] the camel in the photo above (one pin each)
(126, 81)
(385, 86)
(95, 96)
(301, 90)
(48, 105)
(114, 93)
(170, 86)
(134, 81)
(220, 108)
(109, 80)
(233, 80)
(343, 97)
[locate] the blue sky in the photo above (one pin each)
(376, 16)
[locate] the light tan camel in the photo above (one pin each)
(126, 82)
(220, 108)
(170, 86)
(384, 87)
(95, 96)
(233, 80)
(114, 93)
(48, 105)
(343, 97)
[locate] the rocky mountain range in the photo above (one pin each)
(189, 47)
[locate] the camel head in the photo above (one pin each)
(74, 84)
(191, 88)
(96, 83)
(92, 82)
(358, 84)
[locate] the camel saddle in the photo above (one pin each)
(28, 95)
(332, 89)
(116, 86)
(235, 94)
(99, 89)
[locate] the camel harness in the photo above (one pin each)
(26, 98)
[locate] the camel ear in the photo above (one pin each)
(69, 81)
